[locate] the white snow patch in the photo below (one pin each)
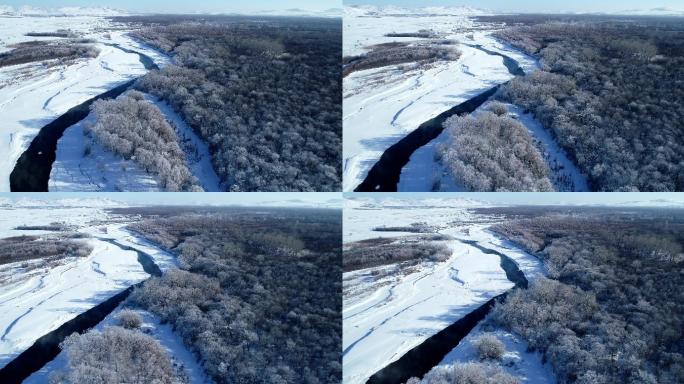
(518, 361)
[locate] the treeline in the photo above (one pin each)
(421, 227)
(257, 297)
(612, 310)
(377, 252)
(66, 33)
(265, 96)
(610, 94)
(493, 152)
(136, 129)
(28, 52)
(23, 248)
(382, 55)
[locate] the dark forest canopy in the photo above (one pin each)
(611, 93)
(264, 93)
(612, 306)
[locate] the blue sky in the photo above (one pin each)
(218, 198)
(535, 5)
(538, 198)
(180, 6)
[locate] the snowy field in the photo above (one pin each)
(385, 317)
(517, 360)
(382, 105)
(32, 95)
(36, 298)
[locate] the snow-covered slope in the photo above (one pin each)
(6, 10)
(36, 298)
(299, 12)
(385, 317)
(382, 105)
(32, 95)
(391, 10)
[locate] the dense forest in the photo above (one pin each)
(257, 297)
(265, 94)
(493, 152)
(135, 129)
(611, 94)
(612, 307)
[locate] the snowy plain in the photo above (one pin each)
(382, 105)
(38, 297)
(33, 94)
(385, 317)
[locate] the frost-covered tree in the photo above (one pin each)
(115, 355)
(488, 346)
(493, 152)
(136, 129)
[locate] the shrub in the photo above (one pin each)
(489, 346)
(129, 319)
(498, 108)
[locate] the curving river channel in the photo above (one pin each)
(46, 348)
(31, 173)
(384, 175)
(422, 358)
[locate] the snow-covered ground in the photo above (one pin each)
(518, 361)
(382, 105)
(99, 170)
(32, 95)
(163, 333)
(37, 300)
(387, 316)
